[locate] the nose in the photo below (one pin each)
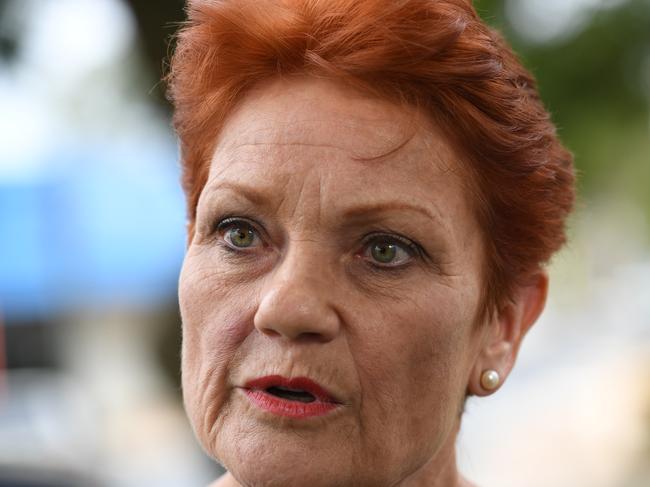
(296, 303)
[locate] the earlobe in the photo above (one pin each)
(503, 336)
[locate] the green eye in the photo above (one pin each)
(238, 234)
(389, 252)
(241, 237)
(384, 252)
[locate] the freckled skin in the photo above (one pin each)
(396, 345)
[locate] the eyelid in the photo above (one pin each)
(227, 220)
(407, 242)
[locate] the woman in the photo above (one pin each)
(373, 190)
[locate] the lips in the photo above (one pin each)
(298, 397)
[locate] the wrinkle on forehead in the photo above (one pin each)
(299, 139)
(376, 138)
(384, 142)
(307, 114)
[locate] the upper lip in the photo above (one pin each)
(295, 383)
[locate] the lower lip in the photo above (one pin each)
(291, 409)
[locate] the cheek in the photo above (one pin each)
(215, 322)
(415, 354)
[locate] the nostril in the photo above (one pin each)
(304, 316)
(310, 334)
(312, 337)
(307, 337)
(270, 332)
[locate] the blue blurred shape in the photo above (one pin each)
(103, 227)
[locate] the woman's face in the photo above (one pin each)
(334, 242)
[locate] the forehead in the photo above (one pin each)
(319, 113)
(316, 132)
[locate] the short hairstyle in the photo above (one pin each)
(434, 54)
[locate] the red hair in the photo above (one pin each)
(434, 54)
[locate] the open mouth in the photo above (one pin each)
(299, 397)
(291, 394)
(300, 389)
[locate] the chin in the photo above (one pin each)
(293, 459)
(294, 476)
(285, 466)
(277, 456)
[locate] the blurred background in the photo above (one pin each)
(92, 239)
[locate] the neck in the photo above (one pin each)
(227, 480)
(440, 471)
(454, 479)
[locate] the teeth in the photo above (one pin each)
(291, 394)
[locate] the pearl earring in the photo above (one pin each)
(490, 379)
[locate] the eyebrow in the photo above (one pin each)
(252, 194)
(360, 211)
(262, 199)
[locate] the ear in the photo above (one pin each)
(502, 336)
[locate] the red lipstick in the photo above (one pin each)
(299, 397)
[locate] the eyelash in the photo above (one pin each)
(411, 247)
